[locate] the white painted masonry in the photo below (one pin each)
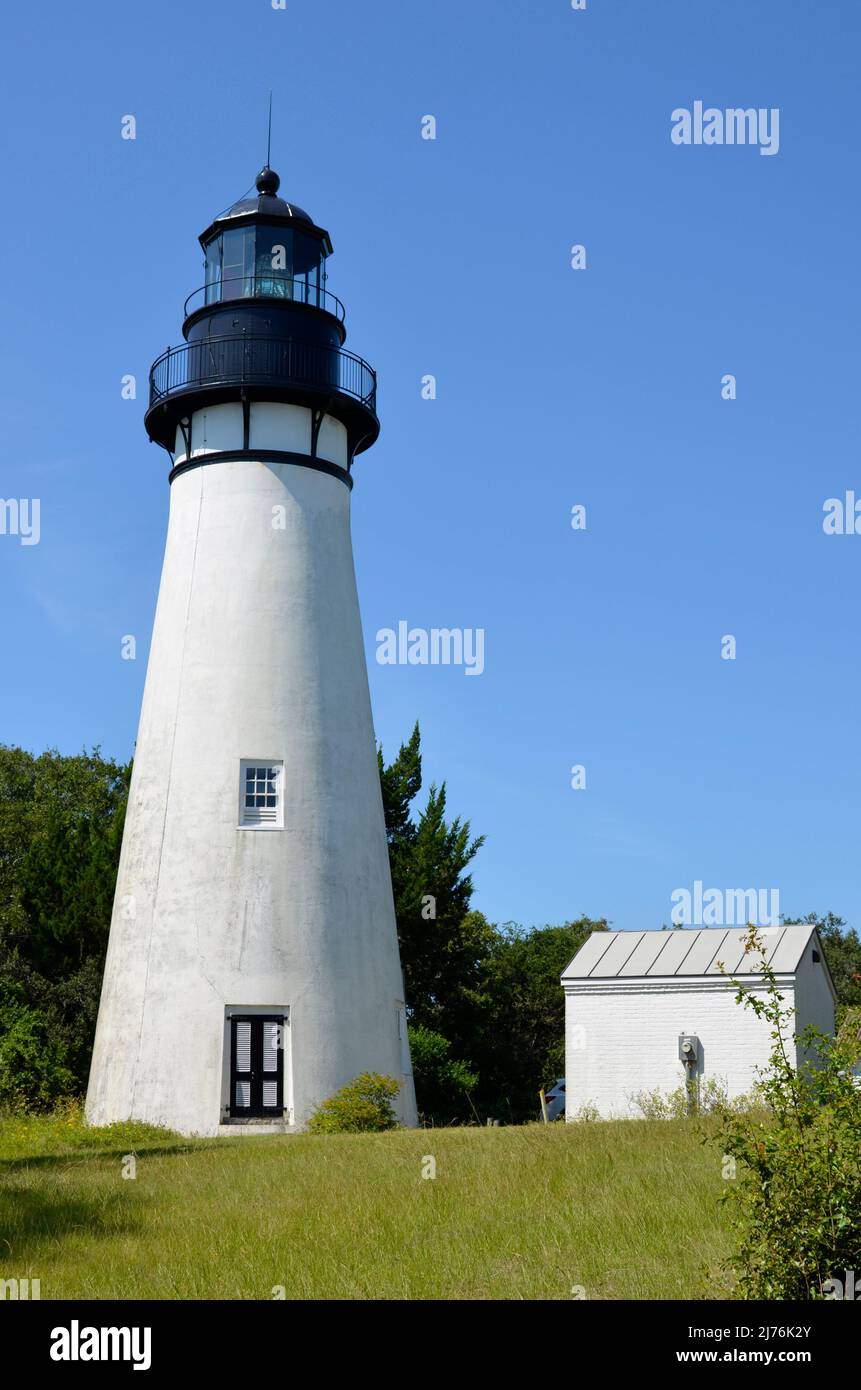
(271, 426)
(257, 653)
(628, 996)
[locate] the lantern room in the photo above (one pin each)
(265, 248)
(263, 328)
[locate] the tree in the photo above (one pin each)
(442, 943)
(61, 821)
(522, 1040)
(443, 1085)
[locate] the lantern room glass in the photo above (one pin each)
(264, 262)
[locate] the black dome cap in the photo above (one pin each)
(267, 180)
(266, 203)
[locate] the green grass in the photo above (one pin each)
(626, 1210)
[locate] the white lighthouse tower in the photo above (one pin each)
(253, 963)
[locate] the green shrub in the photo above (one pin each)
(587, 1114)
(443, 1084)
(795, 1203)
(33, 1064)
(363, 1105)
(709, 1096)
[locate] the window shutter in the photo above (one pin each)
(243, 1047)
(271, 1049)
(243, 1064)
(270, 1046)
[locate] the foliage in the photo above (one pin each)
(442, 944)
(443, 1084)
(849, 1036)
(519, 1043)
(796, 1202)
(491, 992)
(362, 1106)
(587, 1113)
(709, 1096)
(34, 1067)
(61, 821)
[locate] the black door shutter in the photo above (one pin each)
(257, 1066)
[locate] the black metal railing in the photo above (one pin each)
(270, 284)
(262, 361)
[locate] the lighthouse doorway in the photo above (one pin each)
(256, 1066)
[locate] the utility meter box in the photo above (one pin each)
(689, 1049)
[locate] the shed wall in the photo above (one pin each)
(620, 1042)
(814, 1000)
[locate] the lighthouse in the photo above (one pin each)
(253, 967)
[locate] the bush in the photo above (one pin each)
(587, 1114)
(33, 1064)
(796, 1202)
(709, 1096)
(61, 821)
(363, 1106)
(442, 1083)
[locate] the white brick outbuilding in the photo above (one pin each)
(630, 996)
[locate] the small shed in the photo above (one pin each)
(631, 998)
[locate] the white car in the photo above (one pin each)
(554, 1098)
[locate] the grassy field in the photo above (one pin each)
(625, 1210)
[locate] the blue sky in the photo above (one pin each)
(555, 387)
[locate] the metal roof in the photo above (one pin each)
(266, 206)
(607, 955)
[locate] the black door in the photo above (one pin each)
(256, 1066)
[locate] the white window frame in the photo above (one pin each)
(248, 817)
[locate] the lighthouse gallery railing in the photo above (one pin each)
(259, 360)
(266, 285)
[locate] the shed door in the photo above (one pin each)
(256, 1066)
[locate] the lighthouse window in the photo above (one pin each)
(237, 263)
(274, 262)
(269, 262)
(213, 270)
(260, 798)
(306, 268)
(260, 786)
